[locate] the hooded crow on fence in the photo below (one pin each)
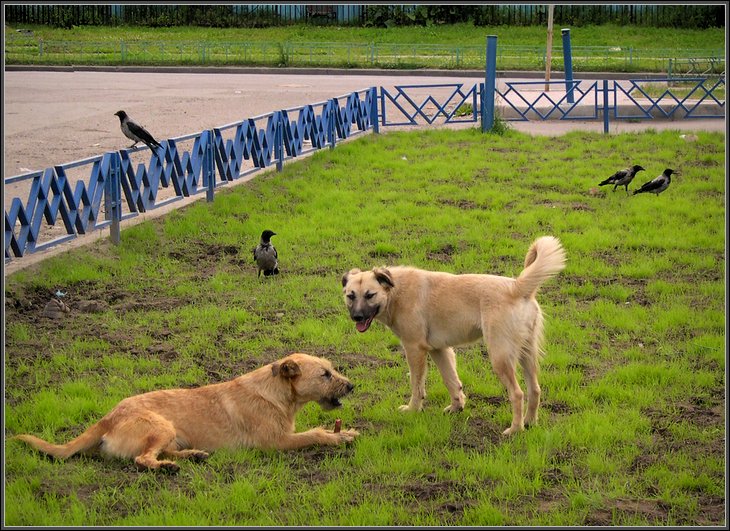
(622, 177)
(658, 184)
(136, 132)
(266, 256)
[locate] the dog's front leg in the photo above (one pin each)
(416, 357)
(293, 441)
(445, 360)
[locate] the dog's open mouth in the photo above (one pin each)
(329, 403)
(363, 325)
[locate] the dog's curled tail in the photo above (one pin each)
(86, 441)
(545, 259)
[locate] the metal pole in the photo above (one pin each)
(334, 107)
(279, 141)
(490, 76)
(605, 106)
(374, 110)
(114, 198)
(209, 166)
(549, 48)
(568, 61)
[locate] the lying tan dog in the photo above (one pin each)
(253, 410)
(433, 312)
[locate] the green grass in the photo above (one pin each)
(594, 47)
(631, 430)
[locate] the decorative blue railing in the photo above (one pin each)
(669, 105)
(102, 191)
(545, 106)
(413, 106)
(120, 186)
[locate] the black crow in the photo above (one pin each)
(622, 177)
(658, 184)
(266, 256)
(136, 132)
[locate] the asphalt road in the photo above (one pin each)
(58, 117)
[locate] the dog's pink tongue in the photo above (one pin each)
(362, 325)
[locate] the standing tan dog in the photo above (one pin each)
(433, 312)
(253, 410)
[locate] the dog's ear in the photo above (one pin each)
(383, 276)
(346, 276)
(287, 369)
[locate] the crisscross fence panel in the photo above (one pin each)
(671, 98)
(445, 103)
(525, 100)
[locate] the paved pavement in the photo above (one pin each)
(60, 115)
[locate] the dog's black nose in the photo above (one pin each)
(350, 386)
(357, 317)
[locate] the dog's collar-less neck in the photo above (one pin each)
(294, 404)
(385, 315)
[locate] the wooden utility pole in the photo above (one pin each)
(549, 49)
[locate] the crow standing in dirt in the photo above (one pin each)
(136, 132)
(622, 177)
(658, 184)
(266, 256)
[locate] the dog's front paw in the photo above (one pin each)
(410, 407)
(513, 429)
(454, 408)
(346, 436)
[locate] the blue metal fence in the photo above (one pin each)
(110, 188)
(458, 105)
(116, 186)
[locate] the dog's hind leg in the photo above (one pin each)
(445, 360)
(416, 357)
(197, 455)
(530, 362)
(530, 369)
(156, 443)
(143, 435)
(503, 364)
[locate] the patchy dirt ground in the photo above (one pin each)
(448, 499)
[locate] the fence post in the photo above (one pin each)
(209, 165)
(490, 76)
(279, 141)
(568, 61)
(113, 197)
(374, 121)
(331, 129)
(605, 106)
